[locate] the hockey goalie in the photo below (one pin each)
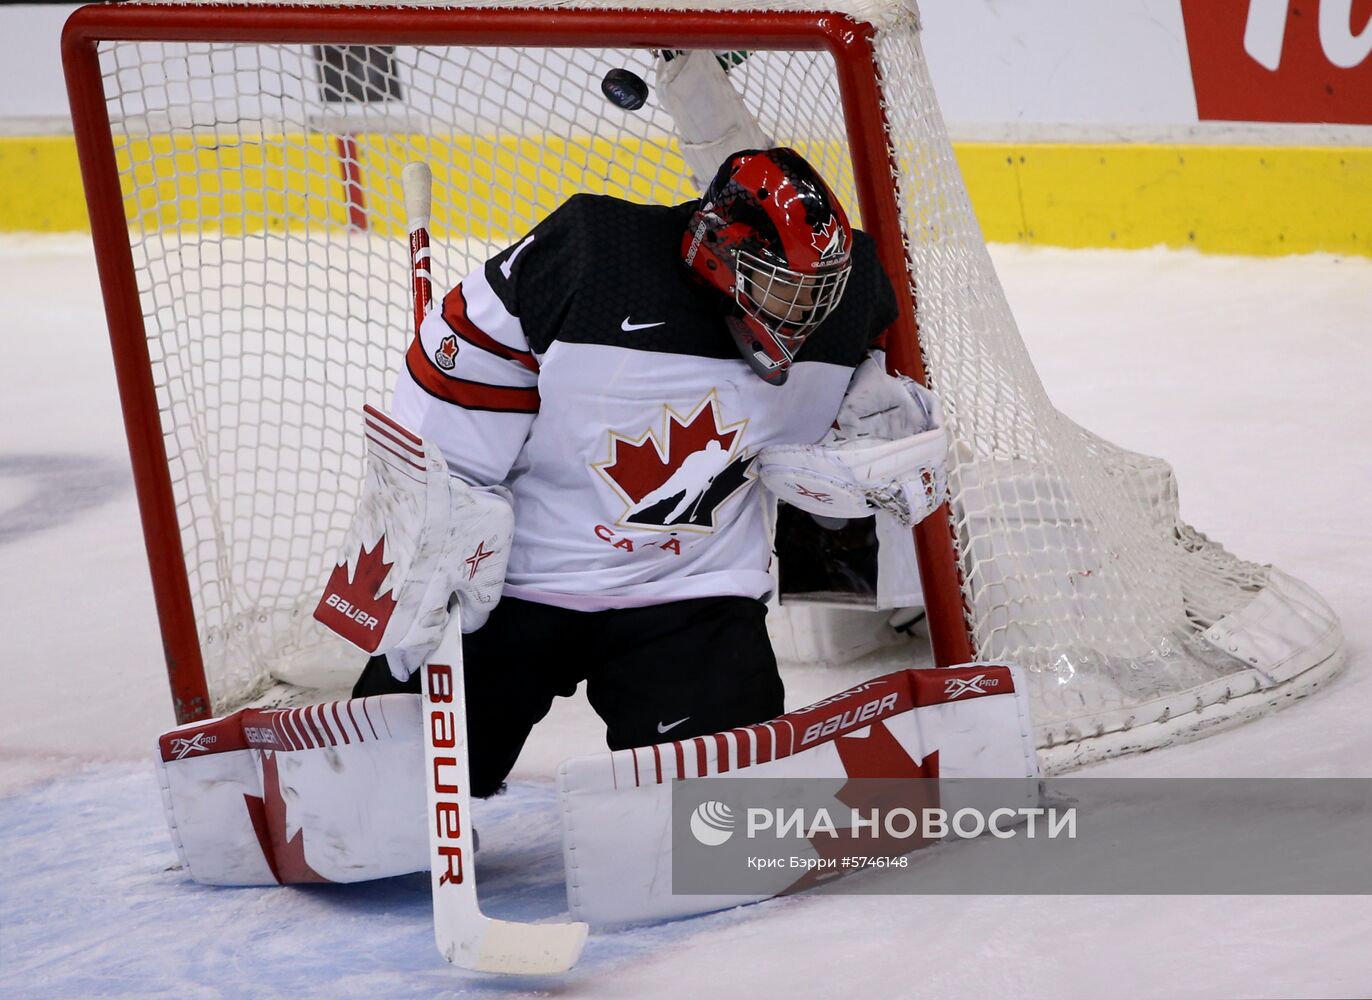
(575, 483)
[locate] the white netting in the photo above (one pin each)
(250, 172)
(1074, 557)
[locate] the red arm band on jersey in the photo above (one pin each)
(455, 315)
(462, 392)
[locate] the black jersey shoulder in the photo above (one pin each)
(602, 270)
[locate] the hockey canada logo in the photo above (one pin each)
(828, 239)
(446, 355)
(677, 478)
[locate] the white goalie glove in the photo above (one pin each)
(419, 536)
(888, 452)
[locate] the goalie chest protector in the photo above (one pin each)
(632, 467)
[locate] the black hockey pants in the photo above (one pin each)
(657, 673)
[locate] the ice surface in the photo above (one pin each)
(1250, 376)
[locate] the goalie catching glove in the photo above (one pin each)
(419, 536)
(887, 452)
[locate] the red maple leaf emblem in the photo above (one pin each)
(640, 467)
(354, 607)
(446, 354)
(285, 855)
(868, 760)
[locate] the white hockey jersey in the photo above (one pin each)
(583, 369)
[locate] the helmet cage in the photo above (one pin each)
(785, 304)
(772, 237)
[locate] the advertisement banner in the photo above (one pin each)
(1281, 60)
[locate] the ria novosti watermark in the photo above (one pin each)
(713, 823)
(741, 838)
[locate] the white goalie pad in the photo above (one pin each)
(711, 119)
(419, 536)
(326, 793)
(335, 792)
(964, 722)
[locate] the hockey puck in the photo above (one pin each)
(625, 89)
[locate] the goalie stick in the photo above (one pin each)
(465, 936)
(416, 182)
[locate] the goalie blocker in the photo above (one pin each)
(420, 535)
(335, 793)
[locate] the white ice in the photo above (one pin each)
(1251, 376)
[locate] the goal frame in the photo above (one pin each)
(848, 41)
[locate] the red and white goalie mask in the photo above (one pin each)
(771, 236)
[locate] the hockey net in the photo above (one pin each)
(250, 231)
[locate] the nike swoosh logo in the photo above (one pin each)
(662, 729)
(628, 327)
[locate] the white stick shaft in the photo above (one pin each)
(466, 937)
(445, 753)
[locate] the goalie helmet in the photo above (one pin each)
(771, 236)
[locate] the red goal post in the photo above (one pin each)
(245, 228)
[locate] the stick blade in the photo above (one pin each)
(522, 949)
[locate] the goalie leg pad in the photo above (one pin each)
(962, 722)
(325, 793)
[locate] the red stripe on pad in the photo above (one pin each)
(721, 753)
(766, 743)
(743, 741)
(342, 729)
(374, 413)
(389, 445)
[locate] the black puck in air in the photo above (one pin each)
(625, 88)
